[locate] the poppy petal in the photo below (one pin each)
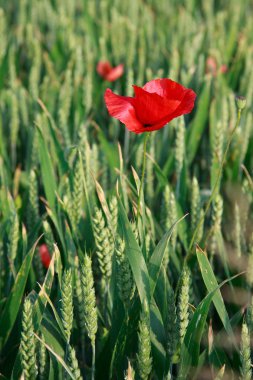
(103, 68)
(151, 107)
(115, 73)
(185, 107)
(44, 255)
(166, 88)
(121, 108)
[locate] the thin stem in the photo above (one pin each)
(215, 185)
(93, 361)
(126, 144)
(143, 173)
(66, 357)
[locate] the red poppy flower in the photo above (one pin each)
(109, 73)
(153, 105)
(44, 255)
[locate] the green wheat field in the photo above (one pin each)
(90, 288)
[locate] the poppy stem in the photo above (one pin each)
(126, 144)
(214, 190)
(142, 174)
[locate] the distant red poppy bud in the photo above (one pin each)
(211, 65)
(153, 105)
(109, 73)
(223, 69)
(44, 255)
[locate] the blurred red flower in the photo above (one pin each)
(44, 255)
(223, 69)
(109, 73)
(211, 67)
(153, 105)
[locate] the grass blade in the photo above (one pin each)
(47, 171)
(198, 124)
(211, 284)
(135, 257)
(156, 259)
(14, 300)
(191, 345)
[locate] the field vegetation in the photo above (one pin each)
(108, 271)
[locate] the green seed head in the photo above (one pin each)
(240, 102)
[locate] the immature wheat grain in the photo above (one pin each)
(113, 207)
(195, 204)
(3, 33)
(180, 146)
(35, 72)
(65, 98)
(249, 315)
(171, 324)
(183, 304)
(135, 231)
(33, 205)
(246, 135)
(14, 125)
(237, 230)
(23, 106)
(249, 273)
(67, 302)
(79, 303)
(42, 360)
(74, 364)
(104, 244)
(217, 212)
(12, 68)
(27, 344)
(246, 371)
(144, 359)
(125, 280)
(14, 237)
(172, 218)
(95, 160)
(77, 195)
(89, 299)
